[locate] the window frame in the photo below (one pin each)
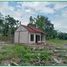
(31, 37)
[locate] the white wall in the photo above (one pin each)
(21, 28)
(16, 37)
(21, 34)
(29, 38)
(34, 37)
(44, 38)
(24, 37)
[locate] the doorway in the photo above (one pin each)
(37, 38)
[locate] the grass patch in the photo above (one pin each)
(26, 55)
(57, 42)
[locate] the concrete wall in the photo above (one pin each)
(16, 37)
(43, 39)
(21, 35)
(29, 38)
(34, 37)
(24, 37)
(21, 28)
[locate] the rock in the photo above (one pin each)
(57, 60)
(14, 63)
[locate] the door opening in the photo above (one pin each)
(37, 38)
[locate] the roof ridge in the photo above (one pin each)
(33, 29)
(30, 27)
(37, 29)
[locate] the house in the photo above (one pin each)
(28, 34)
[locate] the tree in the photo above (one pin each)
(62, 35)
(1, 23)
(10, 25)
(44, 24)
(31, 20)
(31, 23)
(40, 22)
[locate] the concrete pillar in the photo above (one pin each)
(34, 38)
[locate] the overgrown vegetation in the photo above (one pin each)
(8, 25)
(26, 55)
(44, 24)
(57, 42)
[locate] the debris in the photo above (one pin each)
(57, 60)
(14, 63)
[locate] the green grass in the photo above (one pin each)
(57, 42)
(27, 55)
(24, 53)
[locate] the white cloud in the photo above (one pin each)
(36, 6)
(5, 9)
(60, 23)
(47, 10)
(26, 9)
(59, 5)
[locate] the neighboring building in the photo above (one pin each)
(28, 34)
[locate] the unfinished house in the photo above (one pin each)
(29, 34)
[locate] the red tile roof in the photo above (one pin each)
(33, 29)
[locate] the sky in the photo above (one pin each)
(55, 11)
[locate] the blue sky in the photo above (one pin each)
(55, 11)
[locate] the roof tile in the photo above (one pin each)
(33, 29)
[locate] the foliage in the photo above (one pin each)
(9, 26)
(62, 36)
(1, 23)
(25, 54)
(44, 24)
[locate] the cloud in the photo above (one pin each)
(5, 9)
(60, 5)
(24, 9)
(56, 12)
(60, 22)
(36, 6)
